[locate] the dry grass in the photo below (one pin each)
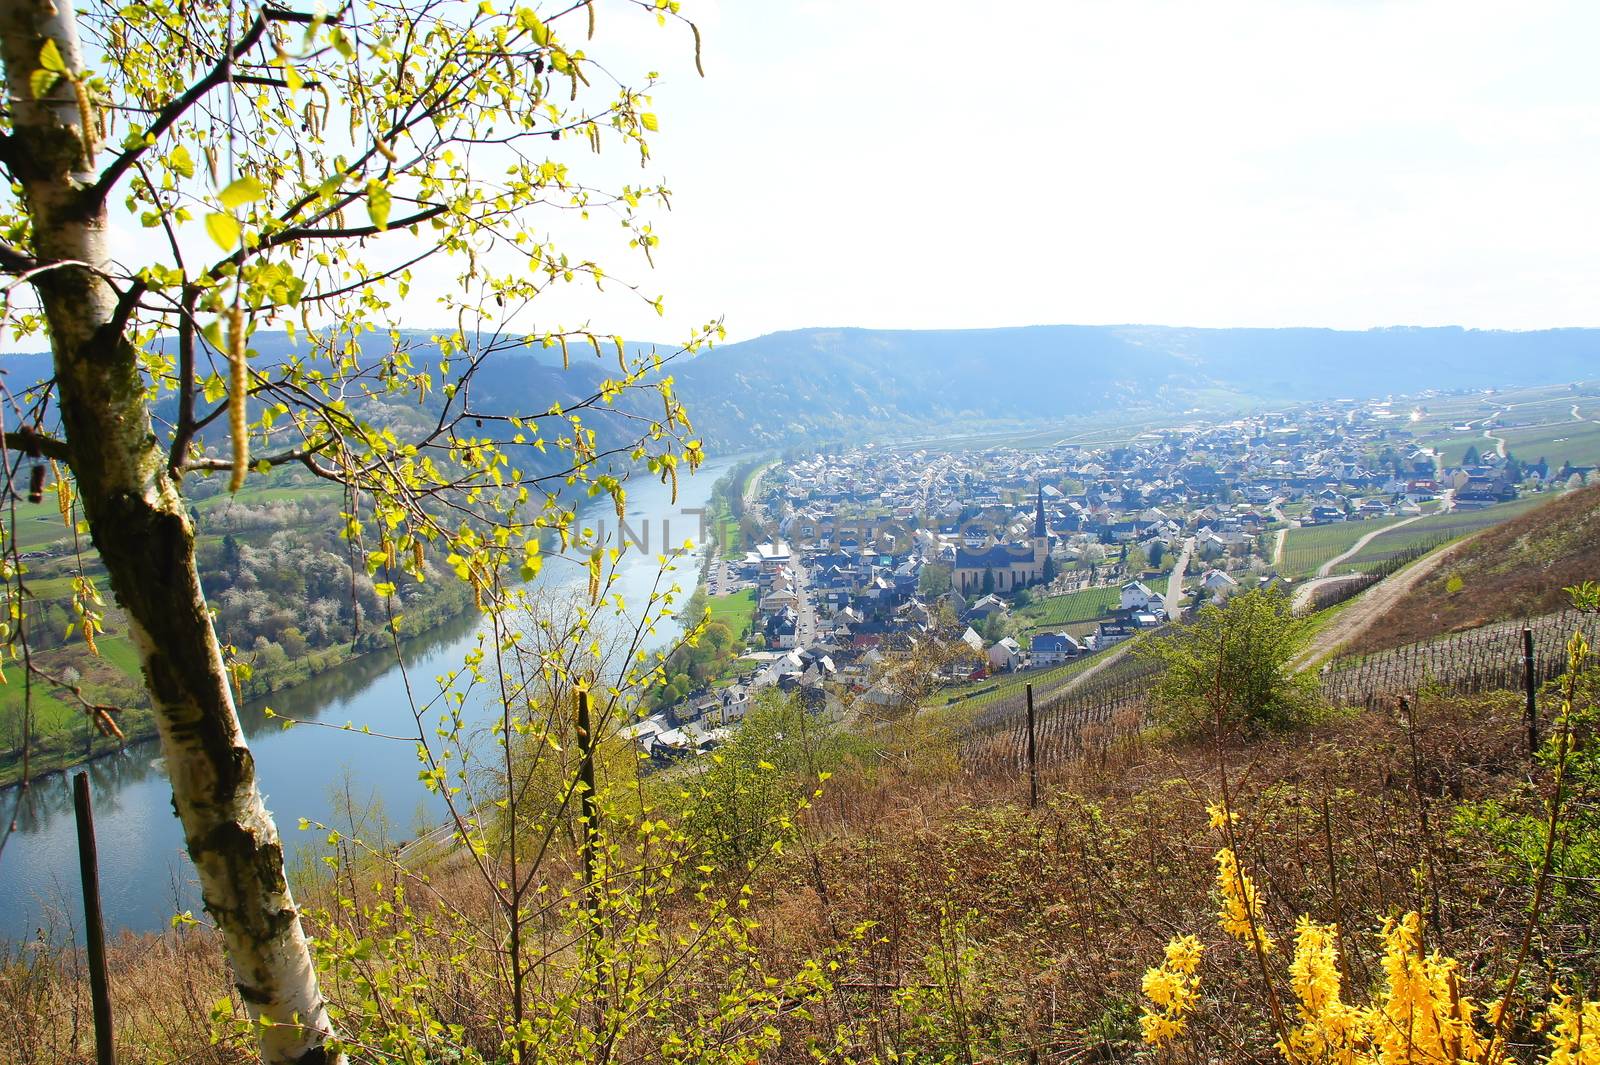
(1058, 912)
(1513, 570)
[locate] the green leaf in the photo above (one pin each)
(214, 387)
(42, 81)
(224, 229)
(527, 20)
(650, 122)
(50, 57)
(241, 191)
(180, 161)
(379, 203)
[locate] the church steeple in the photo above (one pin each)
(1039, 531)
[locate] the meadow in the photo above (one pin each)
(736, 610)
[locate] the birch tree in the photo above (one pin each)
(299, 169)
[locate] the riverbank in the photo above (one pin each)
(313, 772)
(57, 751)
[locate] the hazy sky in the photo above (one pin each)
(932, 164)
(1290, 163)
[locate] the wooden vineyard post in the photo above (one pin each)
(94, 922)
(589, 801)
(1033, 756)
(1530, 684)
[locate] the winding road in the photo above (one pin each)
(1324, 576)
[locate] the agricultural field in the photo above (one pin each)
(1453, 449)
(1059, 610)
(1577, 442)
(1436, 528)
(39, 525)
(1308, 548)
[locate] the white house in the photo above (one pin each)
(1218, 584)
(1136, 595)
(1005, 656)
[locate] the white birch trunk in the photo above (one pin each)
(141, 528)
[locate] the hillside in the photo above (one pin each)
(1512, 570)
(824, 384)
(998, 933)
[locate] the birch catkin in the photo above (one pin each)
(239, 383)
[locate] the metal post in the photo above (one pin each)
(94, 922)
(1033, 756)
(1530, 684)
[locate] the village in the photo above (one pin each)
(986, 562)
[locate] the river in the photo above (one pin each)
(145, 878)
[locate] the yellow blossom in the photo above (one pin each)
(1329, 1029)
(1220, 815)
(1241, 903)
(1172, 988)
(1424, 1019)
(1574, 1031)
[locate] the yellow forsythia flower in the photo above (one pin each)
(1329, 1030)
(1574, 1032)
(1424, 1019)
(1241, 903)
(1172, 988)
(1220, 815)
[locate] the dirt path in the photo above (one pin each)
(1325, 577)
(1174, 598)
(1368, 607)
(1116, 654)
(1327, 568)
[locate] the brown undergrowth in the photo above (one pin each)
(1517, 569)
(999, 933)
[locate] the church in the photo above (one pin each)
(1004, 567)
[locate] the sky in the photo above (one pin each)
(1212, 164)
(939, 165)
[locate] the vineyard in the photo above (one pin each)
(1435, 528)
(1308, 547)
(1086, 720)
(1068, 724)
(1074, 607)
(1467, 663)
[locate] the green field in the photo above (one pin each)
(1308, 548)
(1435, 528)
(1558, 442)
(1058, 610)
(737, 611)
(271, 494)
(39, 524)
(1453, 449)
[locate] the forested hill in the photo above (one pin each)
(826, 381)
(819, 384)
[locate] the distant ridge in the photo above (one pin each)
(829, 383)
(817, 381)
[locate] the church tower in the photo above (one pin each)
(1041, 535)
